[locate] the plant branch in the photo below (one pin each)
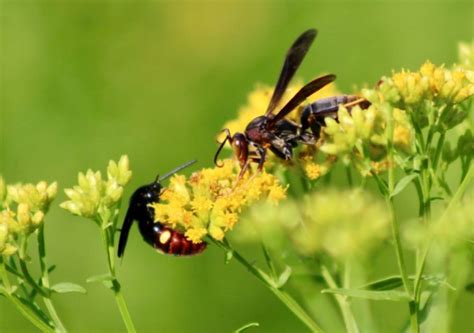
(283, 296)
(342, 301)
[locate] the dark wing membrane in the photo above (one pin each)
(293, 60)
(300, 96)
(127, 224)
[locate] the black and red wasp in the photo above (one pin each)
(163, 238)
(280, 135)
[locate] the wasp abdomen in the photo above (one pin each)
(169, 241)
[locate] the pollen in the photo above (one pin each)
(165, 237)
(211, 200)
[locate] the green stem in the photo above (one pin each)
(45, 281)
(342, 301)
(395, 226)
(108, 241)
(283, 296)
(26, 274)
(25, 311)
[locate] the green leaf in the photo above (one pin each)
(99, 278)
(395, 281)
(381, 184)
(389, 295)
(283, 278)
(388, 283)
(51, 268)
(402, 183)
(246, 327)
(68, 287)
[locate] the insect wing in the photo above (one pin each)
(127, 224)
(300, 96)
(293, 60)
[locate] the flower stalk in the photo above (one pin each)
(282, 295)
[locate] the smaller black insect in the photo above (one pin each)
(163, 238)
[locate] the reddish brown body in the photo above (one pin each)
(169, 241)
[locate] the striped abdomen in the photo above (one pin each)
(314, 114)
(169, 241)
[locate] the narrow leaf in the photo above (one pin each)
(268, 260)
(388, 283)
(99, 278)
(68, 287)
(389, 295)
(283, 278)
(383, 188)
(402, 183)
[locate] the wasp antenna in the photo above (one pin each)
(172, 172)
(216, 156)
(222, 144)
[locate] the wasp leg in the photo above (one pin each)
(263, 153)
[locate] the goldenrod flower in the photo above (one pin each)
(438, 84)
(119, 172)
(6, 247)
(210, 201)
(359, 137)
(94, 193)
(30, 202)
(352, 232)
(316, 224)
(37, 197)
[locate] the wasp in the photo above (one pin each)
(163, 238)
(274, 132)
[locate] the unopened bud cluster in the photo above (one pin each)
(92, 193)
(23, 207)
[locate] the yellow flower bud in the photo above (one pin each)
(23, 214)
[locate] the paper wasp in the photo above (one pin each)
(273, 131)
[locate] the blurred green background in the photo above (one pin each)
(86, 81)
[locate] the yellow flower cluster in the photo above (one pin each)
(315, 224)
(211, 200)
(352, 232)
(23, 209)
(312, 168)
(360, 136)
(441, 85)
(258, 99)
(93, 193)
